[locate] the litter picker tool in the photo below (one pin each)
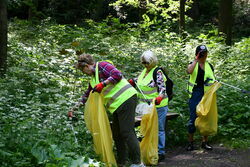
(74, 132)
(239, 89)
(242, 90)
(73, 118)
(142, 93)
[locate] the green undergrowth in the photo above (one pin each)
(42, 84)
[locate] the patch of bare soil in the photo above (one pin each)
(218, 157)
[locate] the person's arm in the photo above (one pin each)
(160, 84)
(191, 66)
(110, 72)
(82, 101)
(133, 81)
(161, 87)
(86, 95)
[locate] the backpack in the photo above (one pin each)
(169, 83)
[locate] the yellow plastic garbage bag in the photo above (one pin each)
(206, 110)
(149, 143)
(97, 122)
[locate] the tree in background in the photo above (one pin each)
(33, 13)
(152, 12)
(3, 36)
(204, 11)
(27, 9)
(182, 16)
(241, 18)
(225, 19)
(62, 11)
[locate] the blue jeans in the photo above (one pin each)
(162, 112)
(193, 102)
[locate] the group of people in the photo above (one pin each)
(121, 97)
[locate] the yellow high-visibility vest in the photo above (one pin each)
(114, 94)
(149, 92)
(208, 74)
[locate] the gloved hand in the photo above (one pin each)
(158, 100)
(132, 82)
(98, 88)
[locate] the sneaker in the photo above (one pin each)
(161, 157)
(138, 165)
(190, 146)
(206, 146)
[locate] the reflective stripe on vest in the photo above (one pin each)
(149, 92)
(114, 94)
(192, 78)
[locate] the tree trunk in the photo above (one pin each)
(98, 10)
(3, 37)
(226, 19)
(194, 12)
(182, 17)
(142, 9)
(32, 9)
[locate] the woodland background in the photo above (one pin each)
(39, 44)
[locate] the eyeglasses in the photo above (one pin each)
(144, 62)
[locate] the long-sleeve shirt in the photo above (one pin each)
(106, 72)
(160, 84)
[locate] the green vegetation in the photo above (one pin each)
(42, 84)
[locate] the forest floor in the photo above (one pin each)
(218, 157)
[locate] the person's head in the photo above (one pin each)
(201, 52)
(149, 59)
(85, 63)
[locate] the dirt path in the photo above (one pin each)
(218, 157)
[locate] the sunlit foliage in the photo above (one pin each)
(42, 84)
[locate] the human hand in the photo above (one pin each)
(72, 110)
(158, 100)
(132, 82)
(70, 114)
(197, 57)
(98, 88)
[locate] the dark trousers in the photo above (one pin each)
(193, 102)
(124, 134)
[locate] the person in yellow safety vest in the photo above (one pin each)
(201, 78)
(119, 99)
(151, 90)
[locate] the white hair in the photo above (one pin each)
(149, 57)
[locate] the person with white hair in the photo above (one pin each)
(153, 88)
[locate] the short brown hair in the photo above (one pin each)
(84, 59)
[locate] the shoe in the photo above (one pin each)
(161, 157)
(190, 146)
(138, 165)
(206, 146)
